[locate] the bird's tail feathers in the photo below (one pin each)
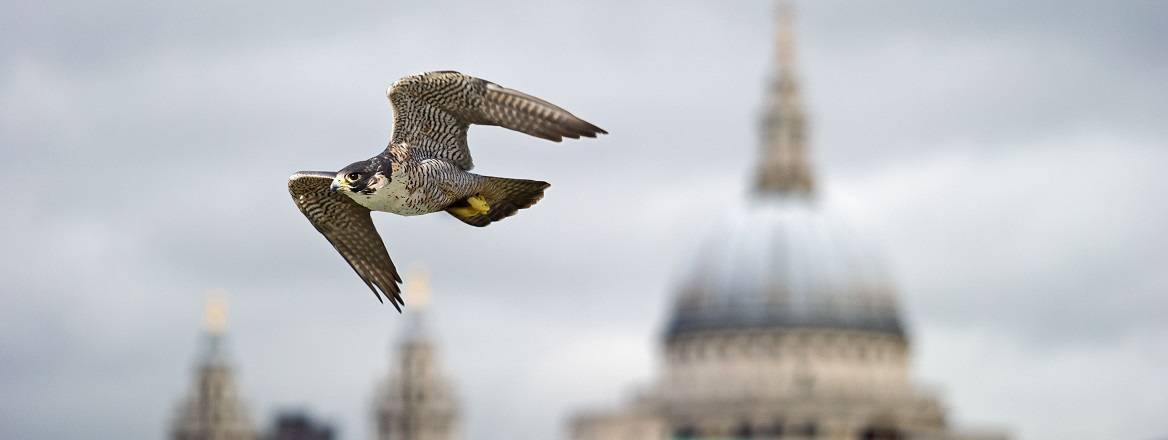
(500, 198)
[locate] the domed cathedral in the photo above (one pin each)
(788, 327)
(417, 401)
(213, 410)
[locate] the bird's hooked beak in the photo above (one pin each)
(335, 186)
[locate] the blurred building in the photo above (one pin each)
(787, 327)
(417, 400)
(299, 426)
(214, 409)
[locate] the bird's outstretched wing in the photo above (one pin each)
(349, 227)
(432, 112)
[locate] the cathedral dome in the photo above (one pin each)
(785, 262)
(785, 324)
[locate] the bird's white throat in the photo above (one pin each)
(389, 195)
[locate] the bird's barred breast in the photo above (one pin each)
(414, 189)
(395, 197)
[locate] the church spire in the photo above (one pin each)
(418, 401)
(213, 410)
(784, 166)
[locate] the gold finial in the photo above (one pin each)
(215, 312)
(418, 287)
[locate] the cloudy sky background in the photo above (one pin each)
(1007, 159)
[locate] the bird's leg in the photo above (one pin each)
(479, 203)
(471, 206)
(470, 200)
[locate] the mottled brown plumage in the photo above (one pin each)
(426, 167)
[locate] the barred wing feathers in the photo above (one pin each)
(432, 112)
(349, 227)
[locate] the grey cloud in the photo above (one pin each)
(185, 120)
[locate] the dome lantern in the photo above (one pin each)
(784, 167)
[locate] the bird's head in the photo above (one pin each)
(364, 177)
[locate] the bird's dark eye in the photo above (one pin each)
(353, 176)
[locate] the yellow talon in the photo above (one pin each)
(479, 204)
(463, 212)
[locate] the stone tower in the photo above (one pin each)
(213, 410)
(417, 401)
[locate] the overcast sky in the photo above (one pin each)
(1006, 158)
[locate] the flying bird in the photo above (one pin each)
(426, 168)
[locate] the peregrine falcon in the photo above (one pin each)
(426, 168)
